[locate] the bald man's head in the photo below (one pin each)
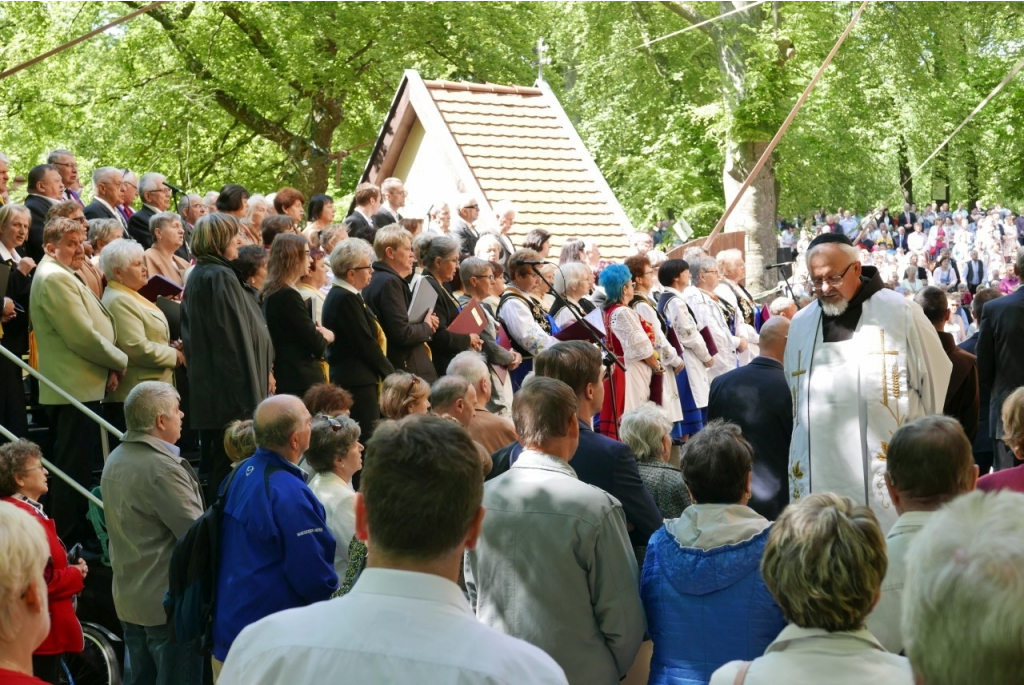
(282, 424)
(773, 337)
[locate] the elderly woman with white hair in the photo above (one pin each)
(731, 288)
(24, 607)
(647, 431)
(488, 248)
(356, 360)
(142, 329)
(168, 237)
(572, 283)
(710, 311)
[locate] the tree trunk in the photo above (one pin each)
(906, 182)
(755, 214)
(971, 175)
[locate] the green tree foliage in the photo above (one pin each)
(261, 92)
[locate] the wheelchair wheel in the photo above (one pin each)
(98, 663)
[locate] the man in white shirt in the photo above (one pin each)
(929, 463)
(405, 620)
(394, 199)
(554, 565)
(918, 240)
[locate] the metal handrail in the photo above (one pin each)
(56, 471)
(63, 393)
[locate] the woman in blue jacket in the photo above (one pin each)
(701, 586)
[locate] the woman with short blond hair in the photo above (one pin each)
(824, 564)
(24, 610)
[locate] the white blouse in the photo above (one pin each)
(636, 346)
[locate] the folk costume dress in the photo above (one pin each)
(631, 340)
(667, 353)
(710, 312)
(748, 317)
(528, 328)
(693, 383)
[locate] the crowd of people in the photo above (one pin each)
(630, 470)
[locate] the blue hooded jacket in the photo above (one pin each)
(705, 607)
(275, 550)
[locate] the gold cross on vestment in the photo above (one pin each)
(796, 388)
(885, 379)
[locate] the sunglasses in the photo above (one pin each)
(334, 423)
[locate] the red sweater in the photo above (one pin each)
(65, 630)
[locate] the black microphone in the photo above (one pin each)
(174, 188)
(533, 262)
(769, 267)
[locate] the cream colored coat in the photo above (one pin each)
(143, 335)
(74, 333)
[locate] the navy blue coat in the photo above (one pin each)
(610, 465)
(756, 397)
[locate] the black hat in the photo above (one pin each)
(830, 238)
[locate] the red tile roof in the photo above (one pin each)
(510, 143)
(520, 146)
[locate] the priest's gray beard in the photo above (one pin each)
(833, 308)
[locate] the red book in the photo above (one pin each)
(472, 319)
(157, 286)
(583, 330)
(709, 340)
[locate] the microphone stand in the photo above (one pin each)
(608, 358)
(785, 278)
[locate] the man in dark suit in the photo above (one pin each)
(962, 395)
(360, 222)
(599, 461)
(906, 217)
(982, 446)
(899, 239)
(45, 189)
(975, 275)
(107, 183)
(756, 397)
(1000, 363)
(388, 297)
(156, 198)
(66, 165)
(394, 199)
(467, 209)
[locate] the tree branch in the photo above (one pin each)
(259, 41)
(687, 12)
(241, 111)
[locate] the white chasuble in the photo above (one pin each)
(850, 397)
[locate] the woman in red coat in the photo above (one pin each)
(23, 483)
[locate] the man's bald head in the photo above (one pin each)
(774, 333)
(282, 424)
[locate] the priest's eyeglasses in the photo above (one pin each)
(833, 281)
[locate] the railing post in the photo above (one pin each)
(56, 471)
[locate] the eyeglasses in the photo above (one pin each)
(38, 466)
(472, 207)
(360, 268)
(831, 280)
(70, 165)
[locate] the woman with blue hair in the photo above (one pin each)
(631, 340)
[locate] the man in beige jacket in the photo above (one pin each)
(75, 340)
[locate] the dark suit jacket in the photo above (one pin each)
(899, 241)
(1000, 362)
(905, 218)
(982, 442)
(298, 345)
(96, 210)
(38, 206)
(354, 357)
(610, 465)
(359, 227)
(383, 218)
(963, 393)
(388, 297)
(466, 234)
(138, 227)
(756, 397)
(19, 286)
(969, 276)
(445, 345)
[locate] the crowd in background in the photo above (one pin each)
(400, 501)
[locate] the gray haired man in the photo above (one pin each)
(151, 497)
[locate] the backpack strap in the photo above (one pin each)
(741, 675)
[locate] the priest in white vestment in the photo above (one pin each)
(861, 361)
